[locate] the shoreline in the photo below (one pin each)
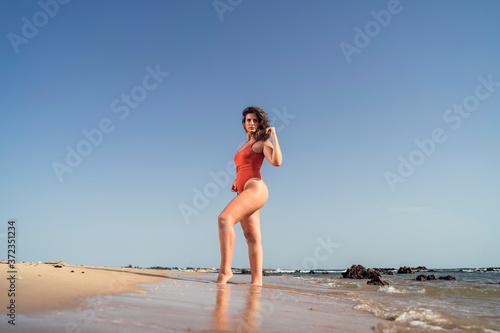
(41, 287)
(105, 299)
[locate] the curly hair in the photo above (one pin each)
(260, 133)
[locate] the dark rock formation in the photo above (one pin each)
(245, 271)
(405, 270)
(422, 268)
(388, 272)
(360, 272)
(425, 277)
(422, 277)
(355, 272)
(371, 273)
(447, 277)
(311, 272)
(377, 281)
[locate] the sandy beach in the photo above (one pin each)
(46, 287)
(106, 299)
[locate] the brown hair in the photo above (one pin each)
(260, 133)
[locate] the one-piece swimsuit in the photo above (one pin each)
(248, 165)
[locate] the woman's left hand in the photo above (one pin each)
(271, 130)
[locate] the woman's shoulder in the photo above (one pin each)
(260, 144)
(266, 142)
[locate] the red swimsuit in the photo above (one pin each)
(248, 165)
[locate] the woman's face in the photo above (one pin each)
(251, 123)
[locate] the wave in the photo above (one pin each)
(394, 290)
(407, 320)
(422, 315)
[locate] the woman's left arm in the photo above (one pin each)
(272, 151)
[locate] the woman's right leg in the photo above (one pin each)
(251, 230)
(246, 203)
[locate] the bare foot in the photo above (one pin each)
(223, 278)
(256, 284)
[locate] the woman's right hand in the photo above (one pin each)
(233, 187)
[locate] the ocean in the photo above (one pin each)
(471, 303)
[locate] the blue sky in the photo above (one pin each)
(387, 115)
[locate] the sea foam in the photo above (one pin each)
(394, 290)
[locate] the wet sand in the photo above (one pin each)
(105, 299)
(42, 287)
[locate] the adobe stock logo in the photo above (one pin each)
(428, 146)
(29, 30)
(222, 6)
(322, 252)
(95, 136)
(372, 29)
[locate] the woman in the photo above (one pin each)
(252, 193)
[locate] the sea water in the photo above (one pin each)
(471, 303)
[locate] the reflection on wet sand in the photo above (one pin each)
(220, 317)
(250, 319)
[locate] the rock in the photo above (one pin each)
(297, 271)
(245, 271)
(490, 269)
(405, 270)
(431, 277)
(355, 272)
(311, 272)
(377, 281)
(360, 272)
(447, 277)
(57, 266)
(388, 272)
(372, 273)
(422, 268)
(422, 277)
(72, 271)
